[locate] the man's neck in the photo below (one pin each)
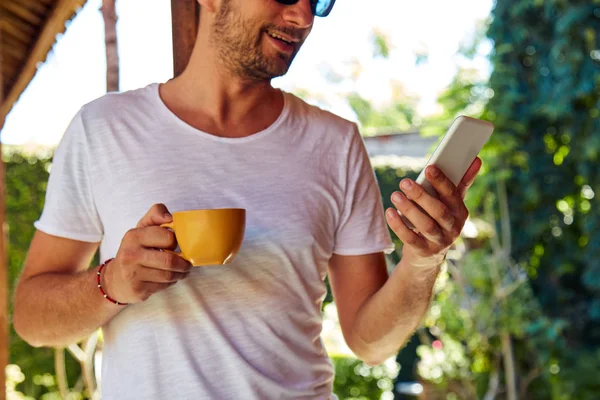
(213, 99)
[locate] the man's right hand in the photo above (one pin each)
(140, 268)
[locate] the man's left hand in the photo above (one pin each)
(439, 223)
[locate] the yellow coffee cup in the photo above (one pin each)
(209, 237)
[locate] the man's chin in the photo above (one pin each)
(282, 65)
(276, 69)
(268, 68)
(263, 75)
(280, 72)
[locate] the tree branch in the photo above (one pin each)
(530, 377)
(509, 367)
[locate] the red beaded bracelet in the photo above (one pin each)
(106, 296)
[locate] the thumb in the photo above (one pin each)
(157, 215)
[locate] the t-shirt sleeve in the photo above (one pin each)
(69, 209)
(362, 228)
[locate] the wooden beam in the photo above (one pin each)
(3, 263)
(63, 11)
(11, 29)
(185, 15)
(22, 12)
(4, 320)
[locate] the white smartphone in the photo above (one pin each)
(457, 150)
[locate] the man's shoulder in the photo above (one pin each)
(114, 104)
(318, 115)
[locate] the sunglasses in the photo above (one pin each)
(320, 8)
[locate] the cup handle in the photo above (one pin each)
(169, 225)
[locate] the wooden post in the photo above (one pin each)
(4, 342)
(185, 15)
(109, 14)
(3, 263)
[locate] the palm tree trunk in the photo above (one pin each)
(109, 14)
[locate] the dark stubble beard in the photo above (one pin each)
(240, 50)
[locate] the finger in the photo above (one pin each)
(146, 274)
(418, 216)
(164, 260)
(406, 235)
(153, 237)
(447, 191)
(469, 177)
(157, 215)
(431, 206)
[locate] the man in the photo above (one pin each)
(220, 136)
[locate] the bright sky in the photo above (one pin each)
(74, 73)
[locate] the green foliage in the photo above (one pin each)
(467, 94)
(482, 299)
(546, 111)
(381, 46)
(399, 115)
(26, 179)
(355, 380)
(14, 376)
(544, 98)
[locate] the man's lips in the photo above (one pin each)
(283, 44)
(283, 37)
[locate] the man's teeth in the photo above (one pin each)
(276, 36)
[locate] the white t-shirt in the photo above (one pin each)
(247, 330)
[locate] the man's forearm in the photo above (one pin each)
(59, 309)
(389, 317)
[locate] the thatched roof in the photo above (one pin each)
(28, 30)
